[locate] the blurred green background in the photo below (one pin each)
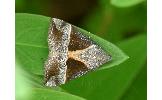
(122, 22)
(109, 21)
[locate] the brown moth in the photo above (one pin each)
(71, 54)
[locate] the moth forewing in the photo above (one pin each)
(71, 53)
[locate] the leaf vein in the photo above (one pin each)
(25, 44)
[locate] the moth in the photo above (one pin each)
(71, 53)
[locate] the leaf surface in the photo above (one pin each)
(126, 3)
(47, 94)
(32, 47)
(112, 83)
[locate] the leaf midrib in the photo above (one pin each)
(31, 45)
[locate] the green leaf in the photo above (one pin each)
(112, 83)
(31, 41)
(25, 89)
(46, 94)
(125, 3)
(22, 84)
(116, 24)
(138, 90)
(32, 48)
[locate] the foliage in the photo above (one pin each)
(126, 3)
(29, 53)
(35, 28)
(122, 22)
